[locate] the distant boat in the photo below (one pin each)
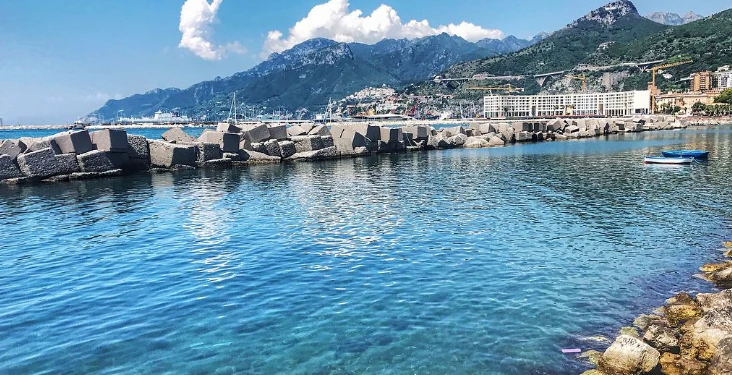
(695, 154)
(666, 160)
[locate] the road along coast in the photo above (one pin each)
(107, 152)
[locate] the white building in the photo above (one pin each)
(625, 103)
(723, 78)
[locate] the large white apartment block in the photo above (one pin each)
(625, 103)
(723, 78)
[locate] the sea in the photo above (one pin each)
(484, 261)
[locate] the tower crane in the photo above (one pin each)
(653, 79)
(582, 78)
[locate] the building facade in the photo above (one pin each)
(723, 78)
(627, 103)
(702, 81)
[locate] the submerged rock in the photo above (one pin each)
(629, 356)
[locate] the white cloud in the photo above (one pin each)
(334, 20)
(196, 17)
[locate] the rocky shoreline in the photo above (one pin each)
(72, 155)
(689, 335)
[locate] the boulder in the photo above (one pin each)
(662, 338)
(167, 155)
(496, 141)
(256, 133)
(325, 153)
(287, 148)
(254, 157)
(277, 131)
(449, 132)
(457, 140)
(481, 128)
(121, 160)
(294, 131)
(707, 333)
(327, 141)
(39, 164)
(74, 142)
(206, 152)
(681, 308)
(524, 136)
(95, 161)
(418, 132)
(321, 130)
(371, 132)
(722, 362)
(138, 150)
(177, 135)
(390, 135)
(10, 148)
(8, 169)
(629, 356)
(715, 301)
(273, 148)
(227, 127)
(68, 164)
(437, 141)
(229, 142)
(113, 140)
(347, 141)
(307, 143)
(258, 147)
(475, 142)
(37, 144)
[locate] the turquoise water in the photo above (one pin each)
(481, 261)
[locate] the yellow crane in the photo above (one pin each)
(582, 78)
(508, 88)
(653, 79)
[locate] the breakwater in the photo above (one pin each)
(111, 152)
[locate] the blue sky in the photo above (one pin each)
(64, 58)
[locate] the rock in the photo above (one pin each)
(475, 142)
(287, 148)
(74, 142)
(707, 333)
(121, 160)
(227, 127)
(629, 331)
(93, 175)
(437, 141)
(714, 267)
(256, 133)
(449, 132)
(715, 301)
(722, 277)
(273, 148)
(496, 141)
(523, 136)
(560, 137)
(307, 143)
(371, 132)
(206, 152)
(592, 372)
(325, 153)
(39, 164)
(457, 140)
(217, 163)
(277, 131)
(138, 151)
(629, 356)
(254, 157)
(177, 135)
(167, 155)
(294, 131)
(593, 356)
(232, 156)
(327, 141)
(8, 169)
(258, 147)
(10, 148)
(319, 130)
(727, 244)
(722, 362)
(229, 142)
(113, 140)
(662, 338)
(681, 308)
(95, 161)
(68, 164)
(347, 140)
(674, 364)
(643, 321)
(418, 132)
(40, 144)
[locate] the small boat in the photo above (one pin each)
(667, 160)
(696, 154)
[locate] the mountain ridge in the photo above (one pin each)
(673, 19)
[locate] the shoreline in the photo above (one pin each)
(689, 334)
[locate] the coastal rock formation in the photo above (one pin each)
(629, 356)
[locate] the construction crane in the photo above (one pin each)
(508, 88)
(582, 78)
(653, 79)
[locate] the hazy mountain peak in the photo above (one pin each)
(673, 19)
(610, 13)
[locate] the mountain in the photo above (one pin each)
(311, 73)
(509, 43)
(673, 19)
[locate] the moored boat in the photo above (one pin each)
(696, 154)
(667, 160)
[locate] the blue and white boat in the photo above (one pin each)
(695, 154)
(667, 160)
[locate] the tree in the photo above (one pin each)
(698, 107)
(724, 97)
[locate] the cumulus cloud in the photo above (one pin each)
(196, 18)
(335, 20)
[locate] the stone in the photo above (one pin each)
(496, 141)
(371, 132)
(206, 152)
(294, 131)
(418, 132)
(229, 142)
(715, 301)
(307, 143)
(8, 169)
(449, 132)
(232, 156)
(254, 157)
(273, 148)
(662, 338)
(10, 148)
(560, 137)
(457, 140)
(42, 143)
(68, 164)
(121, 160)
(629, 356)
(277, 131)
(320, 130)
(475, 142)
(707, 333)
(523, 136)
(138, 152)
(722, 362)
(391, 135)
(714, 267)
(348, 140)
(167, 155)
(227, 127)
(629, 331)
(95, 161)
(437, 141)
(217, 163)
(74, 142)
(324, 153)
(592, 356)
(327, 141)
(113, 140)
(39, 164)
(93, 175)
(287, 148)
(644, 321)
(681, 308)
(177, 135)
(391, 146)
(256, 133)
(258, 147)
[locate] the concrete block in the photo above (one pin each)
(273, 148)
(166, 155)
(294, 131)
(177, 135)
(8, 169)
(10, 148)
(41, 144)
(207, 152)
(327, 141)
(320, 130)
(391, 134)
(138, 149)
(258, 147)
(114, 140)
(349, 140)
(324, 153)
(229, 142)
(307, 127)
(418, 132)
(372, 132)
(121, 160)
(449, 132)
(256, 133)
(68, 163)
(278, 131)
(287, 148)
(95, 161)
(39, 164)
(307, 143)
(227, 127)
(254, 157)
(74, 142)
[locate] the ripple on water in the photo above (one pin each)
(465, 261)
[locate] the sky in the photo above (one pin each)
(62, 59)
